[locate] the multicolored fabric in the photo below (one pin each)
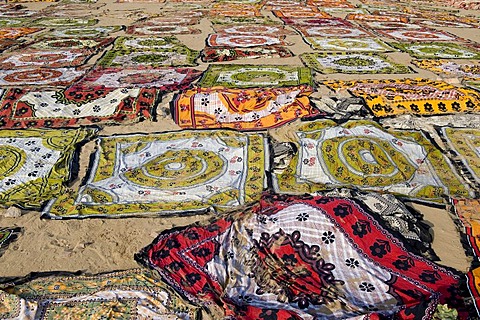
(83, 32)
(415, 96)
(331, 62)
(423, 34)
(163, 79)
(363, 155)
(300, 12)
(445, 24)
(390, 25)
(36, 164)
(175, 57)
(71, 43)
(242, 109)
(467, 71)
(168, 173)
(177, 21)
(7, 236)
(13, 22)
(9, 43)
(469, 216)
(438, 50)
(14, 33)
(301, 258)
(253, 29)
(375, 17)
(24, 108)
(347, 44)
(243, 21)
(245, 76)
(320, 22)
(473, 280)
(50, 59)
(332, 32)
(122, 295)
(229, 54)
(244, 41)
(151, 30)
(148, 43)
(40, 76)
(64, 22)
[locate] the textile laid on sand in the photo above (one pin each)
(71, 43)
(39, 76)
(244, 41)
(35, 164)
(301, 258)
(122, 295)
(75, 106)
(228, 54)
(348, 44)
(415, 96)
(14, 33)
(437, 50)
(41, 58)
(168, 173)
(362, 154)
(445, 68)
(241, 109)
(82, 32)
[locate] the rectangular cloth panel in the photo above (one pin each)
(244, 41)
(45, 59)
(14, 33)
(242, 109)
(39, 76)
(93, 44)
(163, 79)
(53, 22)
(300, 12)
(305, 257)
(411, 96)
(468, 213)
(363, 155)
(438, 50)
(332, 32)
(446, 68)
(247, 29)
(410, 35)
(176, 57)
(351, 62)
(121, 295)
(167, 174)
(348, 44)
(244, 76)
(35, 164)
(75, 106)
(81, 32)
(376, 17)
(152, 43)
(229, 54)
(154, 30)
(465, 146)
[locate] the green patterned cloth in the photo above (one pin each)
(35, 164)
(121, 295)
(245, 76)
(166, 174)
(437, 50)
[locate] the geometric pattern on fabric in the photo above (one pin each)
(423, 34)
(167, 43)
(389, 25)
(71, 43)
(242, 109)
(13, 33)
(40, 76)
(164, 79)
(50, 59)
(82, 32)
(167, 173)
(335, 32)
(464, 144)
(244, 76)
(352, 63)
(228, 54)
(152, 30)
(467, 211)
(437, 50)
(348, 44)
(51, 22)
(255, 29)
(363, 155)
(467, 71)
(75, 106)
(244, 41)
(7, 236)
(301, 257)
(411, 96)
(35, 164)
(176, 57)
(122, 295)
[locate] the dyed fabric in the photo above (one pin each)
(13, 22)
(465, 144)
(82, 32)
(375, 17)
(14, 33)
(300, 12)
(230, 12)
(424, 34)
(332, 32)
(390, 25)
(352, 63)
(437, 50)
(320, 22)
(176, 21)
(161, 29)
(23, 108)
(243, 41)
(50, 59)
(40, 76)
(414, 96)
(122, 295)
(468, 214)
(361, 154)
(253, 29)
(9, 43)
(64, 22)
(473, 280)
(164, 79)
(243, 21)
(168, 43)
(241, 109)
(7, 236)
(36, 164)
(175, 57)
(244, 76)
(229, 54)
(445, 24)
(301, 258)
(70, 43)
(168, 173)
(467, 71)
(347, 44)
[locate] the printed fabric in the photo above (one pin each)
(168, 174)
(438, 50)
(228, 54)
(36, 164)
(242, 109)
(122, 295)
(362, 154)
(301, 258)
(415, 96)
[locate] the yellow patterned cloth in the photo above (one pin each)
(466, 71)
(415, 96)
(361, 154)
(35, 164)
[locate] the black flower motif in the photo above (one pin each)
(172, 243)
(403, 263)
(328, 237)
(379, 249)
(323, 200)
(442, 107)
(76, 112)
(201, 252)
(192, 235)
(367, 287)
(456, 106)
(160, 254)
(342, 210)
(96, 108)
(428, 107)
(269, 314)
(175, 266)
(192, 278)
(430, 276)
(303, 216)
(289, 259)
(352, 263)
(361, 228)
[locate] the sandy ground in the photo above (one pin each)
(99, 245)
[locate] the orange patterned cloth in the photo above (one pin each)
(242, 109)
(468, 211)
